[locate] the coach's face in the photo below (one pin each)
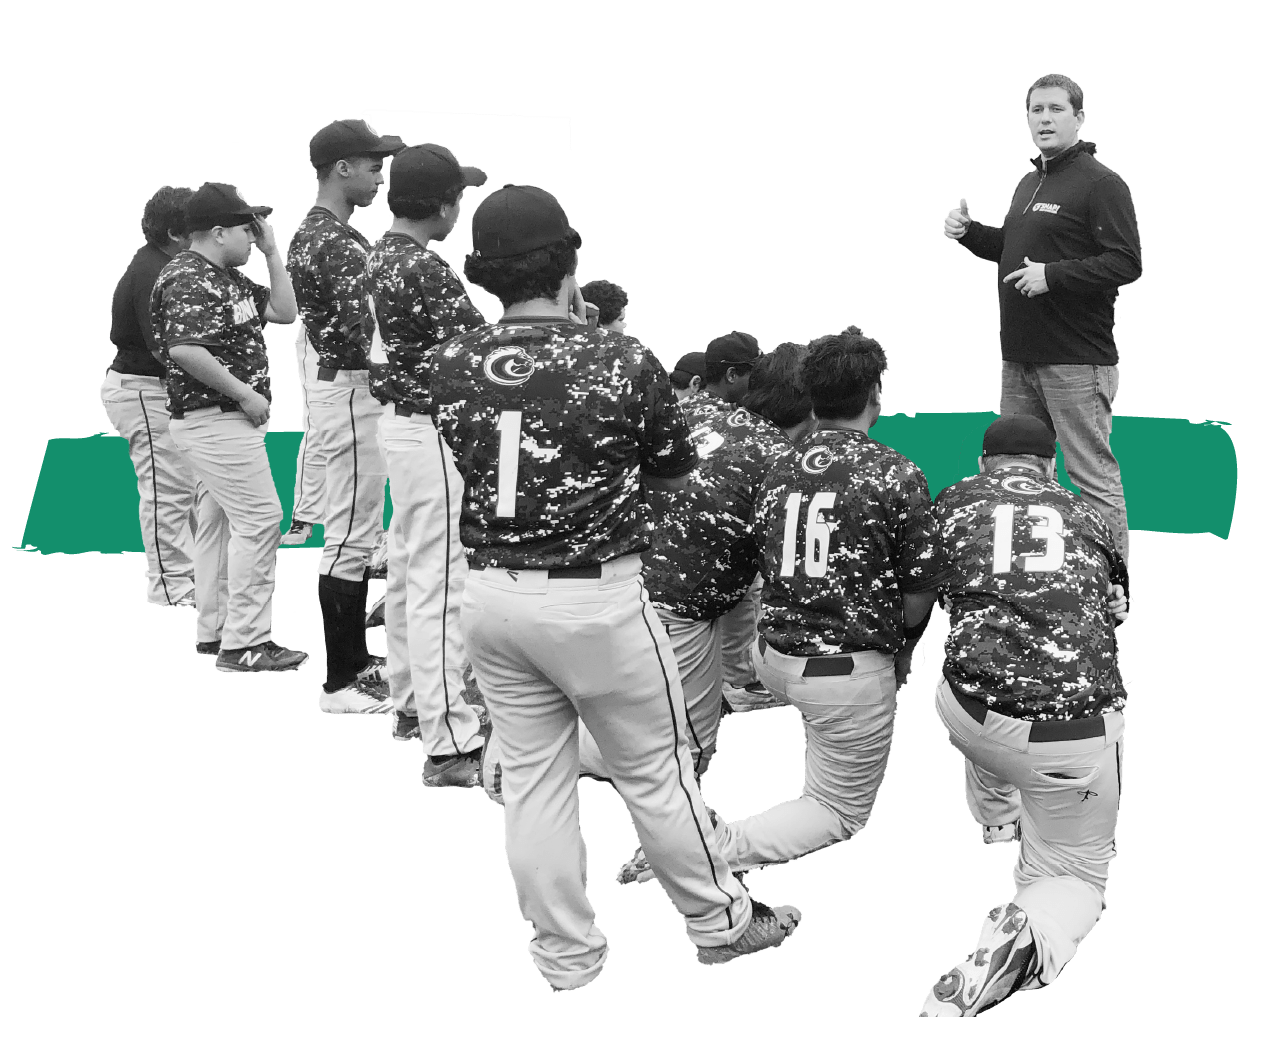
(1053, 122)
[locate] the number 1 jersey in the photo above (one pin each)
(847, 526)
(1031, 568)
(550, 424)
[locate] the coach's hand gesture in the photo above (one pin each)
(957, 222)
(1029, 280)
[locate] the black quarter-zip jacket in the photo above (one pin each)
(1077, 218)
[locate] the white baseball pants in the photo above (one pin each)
(548, 652)
(737, 634)
(309, 478)
(137, 408)
(848, 721)
(1069, 809)
(425, 650)
(238, 525)
(344, 417)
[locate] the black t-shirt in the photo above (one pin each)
(131, 329)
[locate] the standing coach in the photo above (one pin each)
(1068, 242)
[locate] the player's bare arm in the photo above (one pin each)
(202, 365)
(957, 222)
(282, 308)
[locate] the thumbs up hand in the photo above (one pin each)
(957, 222)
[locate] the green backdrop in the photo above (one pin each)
(190, 854)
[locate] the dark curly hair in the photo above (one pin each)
(165, 212)
(422, 208)
(777, 389)
(841, 372)
(1072, 89)
(609, 298)
(534, 275)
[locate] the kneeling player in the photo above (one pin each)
(1031, 695)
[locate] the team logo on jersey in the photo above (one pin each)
(244, 310)
(1046, 207)
(508, 366)
(741, 417)
(706, 441)
(817, 460)
(1021, 485)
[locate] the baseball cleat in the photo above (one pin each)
(377, 561)
(406, 727)
(266, 656)
(636, 869)
(767, 929)
(210, 649)
(377, 615)
(1001, 834)
(453, 769)
(187, 599)
(752, 697)
(367, 693)
(491, 772)
(994, 971)
(297, 534)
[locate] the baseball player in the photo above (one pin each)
(688, 374)
(850, 560)
(135, 399)
(556, 426)
(208, 319)
(611, 303)
(419, 303)
(1032, 697)
(326, 263)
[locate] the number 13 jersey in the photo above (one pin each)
(847, 526)
(1031, 568)
(550, 424)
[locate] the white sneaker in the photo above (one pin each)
(297, 534)
(381, 555)
(349, 700)
(752, 697)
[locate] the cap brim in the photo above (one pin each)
(474, 177)
(263, 211)
(388, 145)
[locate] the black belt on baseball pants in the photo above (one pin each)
(590, 572)
(821, 667)
(1041, 732)
(407, 410)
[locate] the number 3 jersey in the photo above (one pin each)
(550, 424)
(1031, 569)
(847, 527)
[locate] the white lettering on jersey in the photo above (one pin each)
(244, 310)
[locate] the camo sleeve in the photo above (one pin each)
(448, 305)
(665, 448)
(921, 563)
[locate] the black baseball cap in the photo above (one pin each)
(518, 219)
(1019, 435)
(692, 364)
(219, 205)
(429, 171)
(344, 138)
(733, 348)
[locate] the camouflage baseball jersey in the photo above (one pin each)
(1031, 568)
(419, 303)
(197, 301)
(704, 406)
(551, 424)
(703, 554)
(326, 265)
(846, 526)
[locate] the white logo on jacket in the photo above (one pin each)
(1046, 207)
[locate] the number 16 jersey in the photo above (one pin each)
(847, 527)
(1031, 568)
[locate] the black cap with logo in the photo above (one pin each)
(518, 219)
(346, 138)
(733, 348)
(1019, 435)
(219, 205)
(430, 171)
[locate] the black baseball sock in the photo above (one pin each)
(342, 605)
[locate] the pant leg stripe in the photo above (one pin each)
(302, 454)
(153, 483)
(355, 484)
(679, 768)
(447, 575)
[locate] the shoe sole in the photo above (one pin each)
(375, 709)
(959, 992)
(635, 871)
(441, 779)
(710, 955)
(259, 670)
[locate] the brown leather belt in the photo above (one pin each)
(1041, 732)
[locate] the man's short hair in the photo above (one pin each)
(537, 274)
(609, 298)
(777, 390)
(992, 462)
(165, 213)
(1067, 84)
(324, 170)
(423, 208)
(841, 373)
